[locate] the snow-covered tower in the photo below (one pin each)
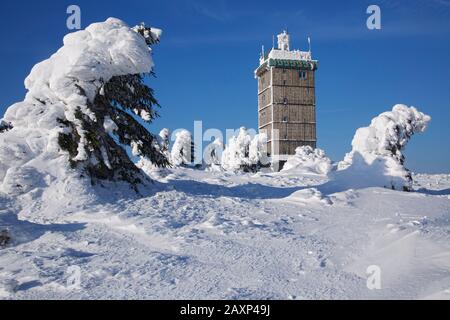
(286, 98)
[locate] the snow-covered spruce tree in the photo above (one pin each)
(83, 110)
(183, 150)
(377, 157)
(106, 158)
(115, 101)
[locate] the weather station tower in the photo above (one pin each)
(286, 98)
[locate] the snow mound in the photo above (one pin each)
(308, 196)
(308, 160)
(376, 158)
(58, 88)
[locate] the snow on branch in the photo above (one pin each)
(151, 35)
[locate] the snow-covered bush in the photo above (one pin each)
(258, 155)
(213, 154)
(243, 153)
(183, 149)
(235, 157)
(78, 108)
(308, 160)
(377, 157)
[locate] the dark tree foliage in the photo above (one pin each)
(192, 152)
(5, 238)
(5, 126)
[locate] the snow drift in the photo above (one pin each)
(377, 156)
(308, 160)
(58, 88)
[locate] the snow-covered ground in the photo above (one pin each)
(311, 231)
(198, 235)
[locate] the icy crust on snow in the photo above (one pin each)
(376, 158)
(308, 160)
(29, 153)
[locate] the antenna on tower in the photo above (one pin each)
(309, 44)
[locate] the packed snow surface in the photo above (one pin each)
(197, 234)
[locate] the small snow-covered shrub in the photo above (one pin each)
(183, 149)
(377, 157)
(235, 157)
(258, 152)
(243, 153)
(213, 155)
(308, 160)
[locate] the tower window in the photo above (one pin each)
(285, 101)
(303, 75)
(285, 119)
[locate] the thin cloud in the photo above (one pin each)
(215, 10)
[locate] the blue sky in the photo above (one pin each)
(210, 48)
